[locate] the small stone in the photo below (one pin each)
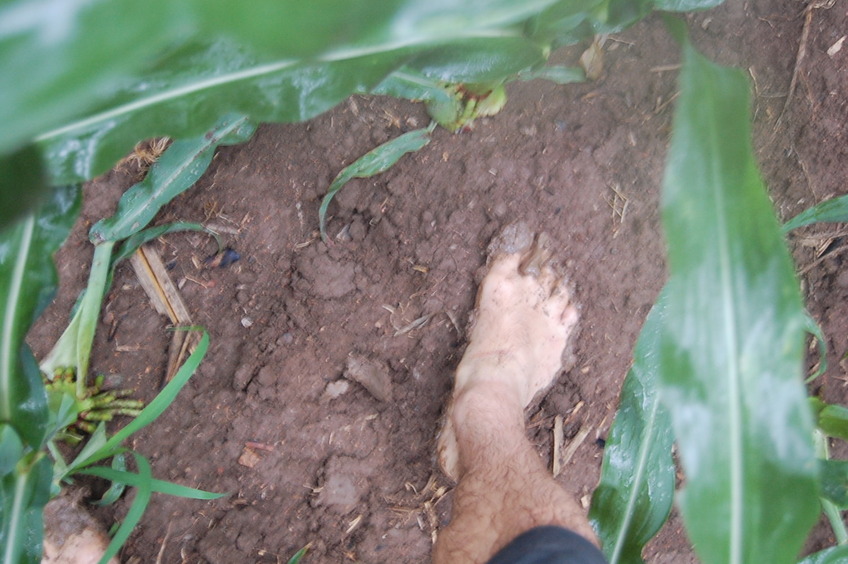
(246, 322)
(336, 389)
(249, 458)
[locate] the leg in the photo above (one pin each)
(524, 318)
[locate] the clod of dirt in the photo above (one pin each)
(327, 278)
(373, 376)
(345, 484)
(71, 535)
(513, 239)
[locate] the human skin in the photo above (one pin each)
(523, 321)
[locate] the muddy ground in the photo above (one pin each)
(310, 457)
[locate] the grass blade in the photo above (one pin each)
(298, 556)
(159, 486)
(116, 490)
(731, 363)
(636, 490)
(375, 161)
(831, 211)
(153, 410)
(144, 490)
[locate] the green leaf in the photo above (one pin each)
(413, 85)
(375, 161)
(615, 15)
(636, 490)
(186, 104)
(23, 494)
(159, 486)
(27, 283)
(833, 421)
(566, 22)
(813, 329)
(144, 490)
(116, 489)
(134, 242)
(57, 58)
(835, 482)
(333, 27)
(489, 60)
(832, 555)
(179, 167)
(732, 353)
(11, 449)
(685, 5)
(834, 210)
(23, 167)
(298, 556)
(555, 74)
(73, 349)
(149, 414)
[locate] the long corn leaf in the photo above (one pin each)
(27, 283)
(23, 493)
(832, 555)
(731, 362)
(635, 494)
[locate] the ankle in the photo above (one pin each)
(487, 403)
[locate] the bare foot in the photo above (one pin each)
(523, 320)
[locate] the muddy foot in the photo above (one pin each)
(523, 320)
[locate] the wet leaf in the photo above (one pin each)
(27, 283)
(375, 161)
(484, 60)
(636, 490)
(731, 362)
(185, 105)
(57, 58)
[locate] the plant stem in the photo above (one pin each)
(89, 311)
(834, 516)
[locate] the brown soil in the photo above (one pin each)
(310, 457)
